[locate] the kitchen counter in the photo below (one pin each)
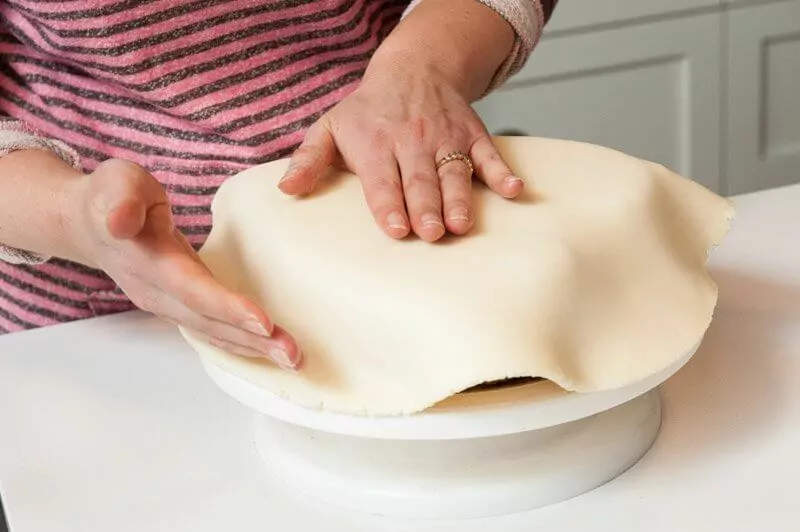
(111, 424)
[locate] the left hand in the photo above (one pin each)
(391, 132)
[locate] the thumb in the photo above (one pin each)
(310, 161)
(126, 220)
(125, 195)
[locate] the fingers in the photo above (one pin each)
(395, 156)
(189, 282)
(172, 282)
(243, 350)
(423, 195)
(247, 325)
(227, 316)
(492, 170)
(184, 243)
(383, 191)
(310, 161)
(455, 179)
(279, 348)
(379, 177)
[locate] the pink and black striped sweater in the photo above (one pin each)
(193, 90)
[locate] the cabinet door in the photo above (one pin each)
(650, 90)
(763, 140)
(573, 14)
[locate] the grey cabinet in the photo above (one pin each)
(763, 104)
(574, 14)
(710, 88)
(646, 90)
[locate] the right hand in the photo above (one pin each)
(126, 228)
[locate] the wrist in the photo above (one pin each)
(76, 220)
(36, 203)
(462, 43)
(398, 65)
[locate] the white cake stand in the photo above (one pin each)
(478, 454)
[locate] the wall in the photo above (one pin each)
(710, 88)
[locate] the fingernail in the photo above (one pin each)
(395, 220)
(280, 357)
(256, 327)
(431, 219)
(458, 215)
(287, 176)
(513, 181)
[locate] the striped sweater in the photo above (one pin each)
(193, 90)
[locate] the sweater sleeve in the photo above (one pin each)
(528, 19)
(15, 136)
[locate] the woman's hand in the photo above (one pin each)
(411, 109)
(391, 132)
(125, 228)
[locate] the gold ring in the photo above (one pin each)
(456, 156)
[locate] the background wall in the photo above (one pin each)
(710, 88)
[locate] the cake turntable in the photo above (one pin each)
(484, 452)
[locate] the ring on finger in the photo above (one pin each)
(456, 156)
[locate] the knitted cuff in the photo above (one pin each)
(527, 18)
(15, 136)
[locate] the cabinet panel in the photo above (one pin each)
(763, 137)
(740, 3)
(644, 90)
(572, 14)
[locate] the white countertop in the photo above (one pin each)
(112, 425)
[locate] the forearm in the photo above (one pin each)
(462, 40)
(38, 193)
